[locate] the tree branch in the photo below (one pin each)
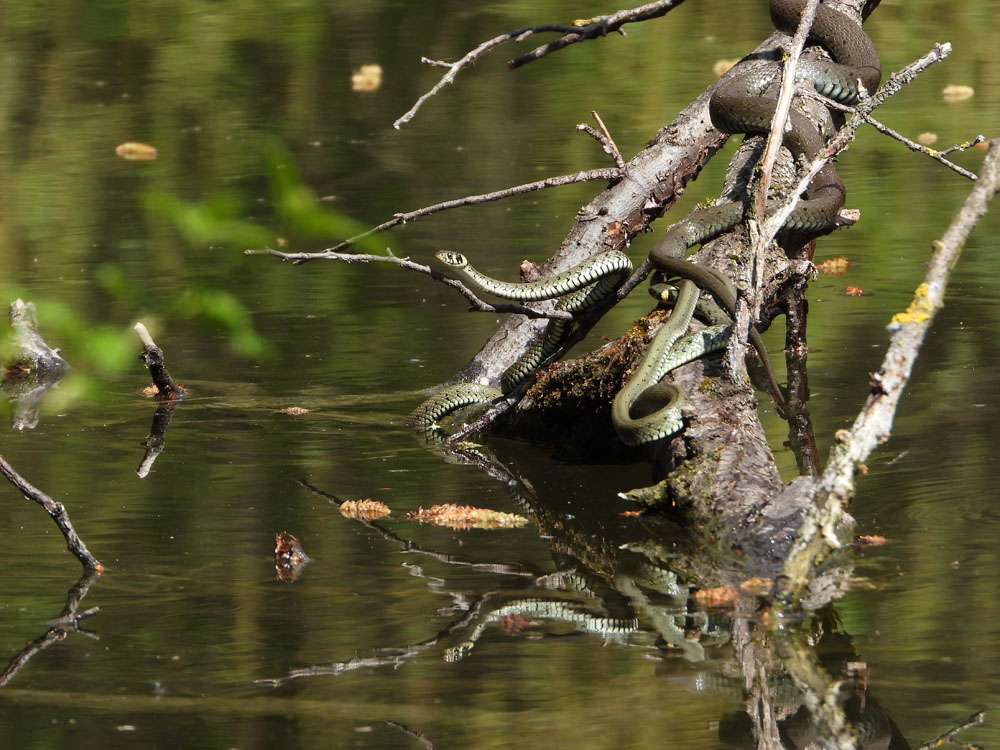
(476, 304)
(601, 26)
(578, 32)
(873, 424)
(605, 173)
(58, 513)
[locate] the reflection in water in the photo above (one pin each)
(800, 684)
(31, 368)
(67, 622)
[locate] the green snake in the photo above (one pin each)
(536, 608)
(646, 410)
(738, 107)
(581, 287)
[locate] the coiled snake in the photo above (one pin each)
(646, 410)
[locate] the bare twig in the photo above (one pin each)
(759, 202)
(453, 69)
(152, 357)
(874, 422)
(601, 26)
(605, 173)
(933, 153)
(937, 155)
(58, 512)
(973, 721)
(476, 304)
(785, 95)
(604, 138)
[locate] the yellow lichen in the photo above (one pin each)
(919, 311)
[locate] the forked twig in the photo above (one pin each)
(58, 512)
(578, 32)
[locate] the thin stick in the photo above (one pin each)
(874, 423)
(605, 173)
(973, 721)
(468, 59)
(774, 139)
(601, 26)
(58, 513)
(476, 304)
(604, 138)
(937, 155)
(775, 136)
(933, 153)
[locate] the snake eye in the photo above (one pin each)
(451, 258)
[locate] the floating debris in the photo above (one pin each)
(868, 540)
(466, 517)
(367, 78)
(853, 291)
(134, 151)
(289, 557)
(365, 510)
(834, 266)
(722, 596)
(955, 92)
(294, 410)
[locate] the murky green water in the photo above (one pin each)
(193, 628)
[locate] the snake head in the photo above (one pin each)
(451, 258)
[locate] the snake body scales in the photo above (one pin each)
(646, 410)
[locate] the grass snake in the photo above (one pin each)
(646, 410)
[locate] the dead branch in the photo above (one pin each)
(780, 119)
(975, 720)
(874, 423)
(604, 138)
(600, 26)
(476, 304)
(937, 155)
(58, 512)
(152, 358)
(578, 32)
(605, 173)
(933, 153)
